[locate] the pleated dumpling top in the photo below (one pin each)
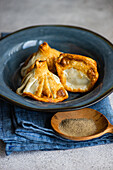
(77, 73)
(45, 52)
(42, 85)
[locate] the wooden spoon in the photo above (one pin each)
(102, 124)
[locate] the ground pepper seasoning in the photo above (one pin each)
(78, 127)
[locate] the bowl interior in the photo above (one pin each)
(12, 68)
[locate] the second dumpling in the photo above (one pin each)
(77, 73)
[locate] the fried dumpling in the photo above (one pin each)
(77, 73)
(45, 52)
(42, 85)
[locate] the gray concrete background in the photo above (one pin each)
(96, 15)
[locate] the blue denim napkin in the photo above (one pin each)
(25, 130)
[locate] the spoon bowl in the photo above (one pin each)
(102, 124)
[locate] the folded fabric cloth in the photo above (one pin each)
(25, 130)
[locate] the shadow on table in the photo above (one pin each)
(2, 149)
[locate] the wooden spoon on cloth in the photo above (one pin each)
(79, 125)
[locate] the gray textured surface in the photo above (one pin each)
(96, 15)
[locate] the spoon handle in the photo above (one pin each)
(109, 128)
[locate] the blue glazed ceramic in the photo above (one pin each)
(16, 47)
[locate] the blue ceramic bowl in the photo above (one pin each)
(16, 47)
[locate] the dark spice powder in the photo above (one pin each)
(78, 127)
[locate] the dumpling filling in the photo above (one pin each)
(76, 79)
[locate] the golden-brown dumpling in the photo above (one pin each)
(42, 85)
(45, 52)
(77, 73)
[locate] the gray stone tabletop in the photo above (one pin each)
(96, 15)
